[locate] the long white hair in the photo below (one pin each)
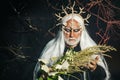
(55, 47)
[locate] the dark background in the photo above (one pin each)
(21, 44)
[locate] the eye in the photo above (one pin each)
(76, 30)
(67, 30)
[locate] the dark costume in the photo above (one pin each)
(97, 74)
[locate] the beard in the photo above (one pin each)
(72, 41)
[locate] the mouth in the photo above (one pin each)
(71, 39)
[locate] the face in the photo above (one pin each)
(72, 32)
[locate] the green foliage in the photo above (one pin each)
(83, 57)
(78, 59)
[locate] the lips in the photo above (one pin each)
(71, 39)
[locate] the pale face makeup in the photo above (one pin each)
(72, 32)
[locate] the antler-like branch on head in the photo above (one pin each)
(59, 16)
(64, 10)
(81, 10)
(72, 8)
(86, 19)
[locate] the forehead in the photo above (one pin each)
(72, 23)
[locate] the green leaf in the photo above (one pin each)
(48, 78)
(52, 77)
(40, 78)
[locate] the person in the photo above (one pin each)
(73, 34)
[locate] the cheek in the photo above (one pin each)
(66, 34)
(77, 35)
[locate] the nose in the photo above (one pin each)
(71, 33)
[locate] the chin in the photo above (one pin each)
(71, 43)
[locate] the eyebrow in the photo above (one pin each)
(70, 27)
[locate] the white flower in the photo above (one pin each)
(58, 66)
(45, 68)
(60, 78)
(65, 65)
(52, 73)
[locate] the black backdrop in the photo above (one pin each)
(24, 33)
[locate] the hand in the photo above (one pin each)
(93, 64)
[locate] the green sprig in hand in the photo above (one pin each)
(72, 61)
